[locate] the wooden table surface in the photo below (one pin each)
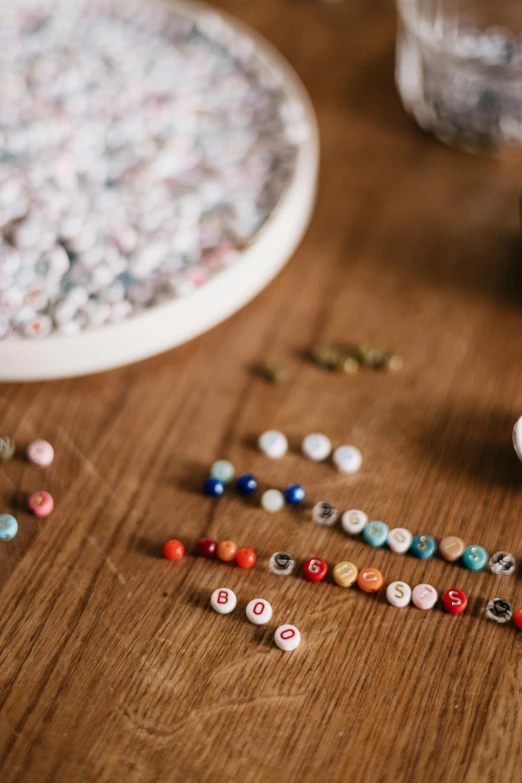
(112, 665)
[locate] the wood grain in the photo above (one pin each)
(112, 666)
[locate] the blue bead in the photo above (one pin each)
(213, 487)
(423, 546)
(246, 483)
(475, 557)
(376, 533)
(294, 494)
(8, 527)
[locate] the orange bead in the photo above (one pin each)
(517, 618)
(246, 557)
(226, 550)
(173, 549)
(369, 580)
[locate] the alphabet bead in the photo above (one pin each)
(399, 540)
(454, 601)
(213, 487)
(223, 600)
(475, 557)
(316, 447)
(281, 564)
(423, 547)
(273, 444)
(294, 494)
(376, 533)
(226, 551)
(398, 594)
(40, 503)
(369, 580)
(347, 459)
(8, 527)
(424, 596)
(345, 573)
(353, 521)
(502, 564)
(7, 447)
(259, 611)
(272, 500)
(451, 548)
(223, 470)
(499, 610)
(40, 453)
(314, 569)
(324, 513)
(287, 637)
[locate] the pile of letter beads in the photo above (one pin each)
(8, 527)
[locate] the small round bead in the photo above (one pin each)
(316, 447)
(347, 459)
(354, 521)
(294, 494)
(451, 548)
(173, 549)
(345, 573)
(40, 453)
(398, 594)
(423, 547)
(246, 483)
(273, 444)
(399, 540)
(7, 447)
(40, 503)
(213, 487)
(517, 438)
(8, 527)
(369, 580)
(207, 547)
(454, 601)
(376, 533)
(259, 611)
(226, 551)
(281, 564)
(475, 557)
(499, 610)
(287, 637)
(517, 618)
(223, 600)
(272, 500)
(324, 513)
(502, 564)
(314, 569)
(424, 596)
(223, 470)
(246, 557)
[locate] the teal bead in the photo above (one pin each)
(223, 470)
(475, 557)
(376, 533)
(423, 546)
(8, 527)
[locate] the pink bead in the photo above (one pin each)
(424, 596)
(40, 453)
(41, 503)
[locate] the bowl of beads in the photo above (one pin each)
(157, 169)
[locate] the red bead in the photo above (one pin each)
(173, 549)
(246, 557)
(314, 569)
(454, 601)
(517, 618)
(207, 547)
(40, 503)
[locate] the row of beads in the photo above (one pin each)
(246, 483)
(258, 612)
(207, 547)
(40, 452)
(423, 546)
(316, 447)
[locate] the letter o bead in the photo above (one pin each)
(369, 580)
(398, 594)
(314, 569)
(345, 573)
(287, 637)
(454, 601)
(223, 600)
(424, 596)
(259, 611)
(399, 540)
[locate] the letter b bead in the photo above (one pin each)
(223, 600)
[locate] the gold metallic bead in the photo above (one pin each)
(274, 372)
(325, 356)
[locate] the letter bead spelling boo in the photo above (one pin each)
(223, 600)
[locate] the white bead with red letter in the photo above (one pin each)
(287, 637)
(223, 600)
(259, 611)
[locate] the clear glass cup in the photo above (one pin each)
(459, 70)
